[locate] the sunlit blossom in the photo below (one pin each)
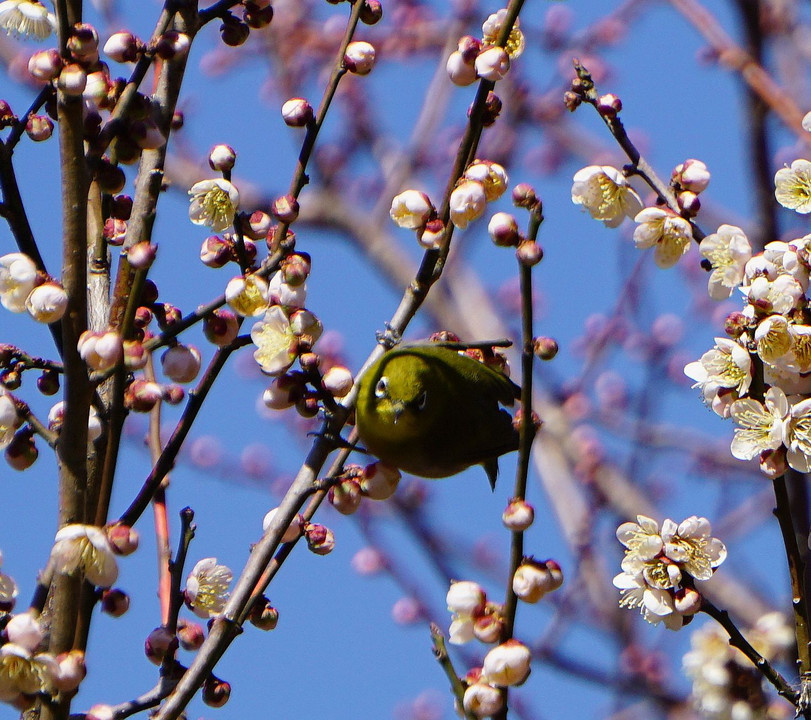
(655, 605)
(491, 28)
(248, 295)
(213, 203)
(85, 548)
(26, 19)
(492, 176)
(760, 426)
(728, 250)
(727, 365)
(9, 419)
(606, 194)
(207, 587)
(666, 232)
(507, 664)
(467, 202)
(792, 186)
(18, 277)
(774, 296)
(411, 209)
(275, 341)
(691, 546)
(773, 338)
(798, 437)
(22, 673)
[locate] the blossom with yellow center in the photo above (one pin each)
(728, 250)
(213, 203)
(606, 194)
(207, 587)
(665, 231)
(492, 27)
(26, 19)
(86, 549)
(275, 340)
(761, 426)
(247, 296)
(792, 186)
(773, 338)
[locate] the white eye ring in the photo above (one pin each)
(382, 387)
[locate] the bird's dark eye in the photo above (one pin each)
(422, 398)
(382, 387)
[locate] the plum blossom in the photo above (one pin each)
(467, 202)
(411, 209)
(85, 548)
(9, 419)
(665, 231)
(507, 664)
(466, 600)
(774, 296)
(492, 176)
(213, 203)
(606, 194)
(248, 295)
(761, 426)
(797, 437)
(773, 338)
(207, 587)
(18, 277)
(491, 28)
(726, 367)
(26, 19)
(276, 343)
(728, 250)
(792, 186)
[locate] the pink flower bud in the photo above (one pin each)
(687, 601)
(689, 203)
(83, 43)
(461, 71)
(215, 252)
(492, 64)
(293, 531)
(45, 65)
(407, 611)
(21, 453)
(72, 670)
(123, 47)
(507, 664)
(47, 303)
(115, 602)
(25, 630)
(157, 644)
(135, 356)
(181, 363)
(222, 158)
(172, 44)
(432, 234)
(346, 496)
(221, 327)
(338, 381)
(470, 47)
(529, 253)
(295, 269)
(692, 175)
(371, 13)
(123, 539)
(503, 230)
(466, 598)
(115, 231)
(379, 481)
(285, 209)
(518, 516)
(368, 561)
(488, 627)
(72, 80)
(142, 395)
(190, 634)
(263, 615)
(39, 127)
(216, 692)
(297, 112)
(142, 255)
(173, 394)
(359, 57)
(532, 580)
(545, 347)
(609, 105)
(258, 226)
(482, 700)
(320, 538)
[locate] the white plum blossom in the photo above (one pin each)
(761, 426)
(282, 293)
(507, 664)
(466, 601)
(213, 203)
(482, 700)
(665, 231)
(726, 367)
(9, 419)
(26, 19)
(727, 250)
(774, 296)
(47, 303)
(492, 176)
(467, 202)
(492, 64)
(797, 437)
(207, 587)
(411, 209)
(360, 57)
(655, 604)
(491, 28)
(248, 295)
(792, 186)
(773, 338)
(606, 194)
(275, 341)
(18, 277)
(85, 548)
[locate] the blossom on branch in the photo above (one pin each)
(207, 587)
(18, 277)
(213, 203)
(606, 194)
(727, 250)
(668, 233)
(85, 549)
(26, 19)
(792, 186)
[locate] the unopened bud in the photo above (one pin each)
(216, 692)
(379, 481)
(263, 615)
(115, 602)
(735, 324)
(123, 539)
(503, 230)
(142, 255)
(234, 32)
(529, 253)
(39, 128)
(285, 209)
(518, 516)
(360, 57)
(346, 496)
(172, 44)
(190, 635)
(371, 13)
(157, 644)
(21, 453)
(338, 381)
(221, 327)
(222, 158)
(320, 538)
(295, 269)
(257, 14)
(545, 347)
(297, 112)
(524, 196)
(689, 203)
(72, 80)
(609, 105)
(45, 65)
(123, 47)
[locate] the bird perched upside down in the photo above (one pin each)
(431, 411)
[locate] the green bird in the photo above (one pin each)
(427, 410)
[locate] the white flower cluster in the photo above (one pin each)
(772, 329)
(22, 288)
(725, 684)
(656, 563)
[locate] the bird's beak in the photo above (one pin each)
(398, 410)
